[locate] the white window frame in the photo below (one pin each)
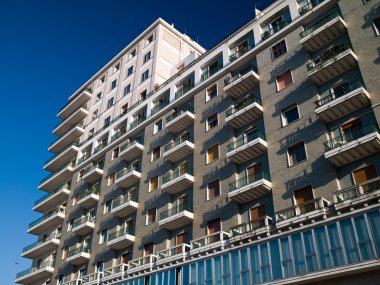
(283, 117)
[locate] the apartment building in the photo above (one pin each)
(255, 162)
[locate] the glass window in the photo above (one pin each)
(255, 265)
(130, 71)
(298, 254)
(235, 267)
(151, 216)
(335, 246)
(364, 241)
(107, 206)
(226, 270)
(107, 121)
(349, 241)
(147, 56)
(213, 153)
(114, 84)
(275, 259)
(213, 189)
(284, 80)
(145, 75)
(376, 25)
(296, 153)
(287, 261)
(157, 126)
(127, 89)
(156, 153)
(310, 252)
(153, 183)
(111, 179)
(211, 92)
(212, 121)
(110, 103)
(115, 153)
(279, 49)
(290, 115)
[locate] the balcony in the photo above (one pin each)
(69, 137)
(178, 180)
(63, 157)
(242, 82)
(128, 176)
(334, 106)
(93, 278)
(210, 72)
(144, 263)
(365, 194)
(177, 217)
(89, 198)
(244, 112)
(33, 274)
(121, 239)
(180, 92)
(93, 172)
(42, 246)
(309, 6)
(173, 255)
(78, 101)
(131, 150)
(73, 282)
(240, 53)
(83, 225)
(78, 255)
(77, 116)
(259, 227)
(210, 243)
(57, 178)
(331, 63)
(159, 106)
(124, 206)
(47, 202)
(118, 134)
(247, 148)
(311, 210)
(250, 187)
(180, 119)
(179, 149)
(273, 30)
(115, 272)
(359, 143)
(323, 32)
(99, 147)
(48, 221)
(136, 122)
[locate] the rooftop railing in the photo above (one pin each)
(248, 180)
(244, 140)
(241, 105)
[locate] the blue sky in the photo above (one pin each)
(48, 49)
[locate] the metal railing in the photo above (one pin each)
(210, 239)
(118, 134)
(69, 130)
(34, 269)
(327, 55)
(115, 270)
(159, 107)
(251, 226)
(248, 180)
(358, 190)
(183, 90)
(78, 250)
(123, 200)
(347, 88)
(73, 282)
(149, 259)
(178, 141)
(51, 175)
(244, 140)
(59, 210)
(180, 111)
(131, 143)
(137, 122)
(85, 107)
(310, 5)
(171, 175)
(241, 105)
(62, 151)
(50, 194)
(91, 167)
(128, 170)
(354, 134)
(92, 277)
(319, 24)
(267, 34)
(82, 220)
(88, 192)
(176, 209)
(173, 251)
(54, 235)
(99, 147)
(307, 207)
(83, 158)
(209, 72)
(240, 52)
(241, 73)
(120, 233)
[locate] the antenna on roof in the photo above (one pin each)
(185, 30)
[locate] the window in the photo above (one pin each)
(76, 199)
(110, 103)
(115, 153)
(95, 114)
(147, 56)
(212, 121)
(213, 227)
(156, 153)
(130, 71)
(211, 92)
(133, 53)
(124, 108)
(296, 153)
(278, 49)
(117, 67)
(212, 153)
(376, 25)
(151, 216)
(107, 121)
(364, 174)
(64, 252)
(91, 132)
(153, 183)
(80, 175)
(107, 206)
(257, 212)
(114, 84)
(143, 95)
(303, 195)
(60, 279)
(70, 225)
(99, 266)
(127, 89)
(102, 79)
(149, 39)
(157, 126)
(290, 115)
(111, 179)
(145, 75)
(98, 96)
(103, 236)
(213, 189)
(284, 80)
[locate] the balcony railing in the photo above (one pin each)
(179, 112)
(137, 122)
(88, 192)
(245, 140)
(210, 239)
(310, 5)
(241, 105)
(354, 134)
(267, 34)
(55, 172)
(319, 24)
(127, 170)
(62, 151)
(177, 209)
(241, 73)
(54, 235)
(248, 180)
(78, 250)
(83, 158)
(131, 143)
(118, 134)
(47, 216)
(115, 270)
(73, 127)
(173, 251)
(178, 141)
(326, 55)
(307, 207)
(99, 147)
(94, 166)
(34, 269)
(85, 107)
(355, 191)
(241, 52)
(345, 90)
(158, 107)
(211, 71)
(83, 220)
(92, 277)
(120, 233)
(149, 259)
(171, 175)
(251, 226)
(50, 194)
(183, 90)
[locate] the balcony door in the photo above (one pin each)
(180, 239)
(340, 89)
(250, 134)
(148, 249)
(254, 172)
(213, 227)
(183, 167)
(352, 130)
(257, 212)
(302, 196)
(242, 47)
(364, 174)
(82, 272)
(182, 202)
(124, 258)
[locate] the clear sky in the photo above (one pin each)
(48, 49)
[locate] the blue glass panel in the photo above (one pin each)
(226, 275)
(275, 259)
(322, 245)
(201, 272)
(374, 220)
(265, 265)
(255, 264)
(287, 261)
(349, 241)
(193, 273)
(310, 253)
(185, 274)
(244, 269)
(172, 276)
(218, 270)
(153, 279)
(209, 272)
(299, 255)
(235, 267)
(335, 246)
(141, 281)
(159, 278)
(365, 244)
(166, 277)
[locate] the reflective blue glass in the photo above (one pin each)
(299, 255)
(310, 253)
(255, 264)
(185, 274)
(217, 271)
(226, 270)
(235, 267)
(265, 265)
(374, 220)
(244, 269)
(364, 241)
(275, 259)
(193, 273)
(349, 241)
(322, 245)
(287, 260)
(201, 272)
(335, 246)
(209, 272)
